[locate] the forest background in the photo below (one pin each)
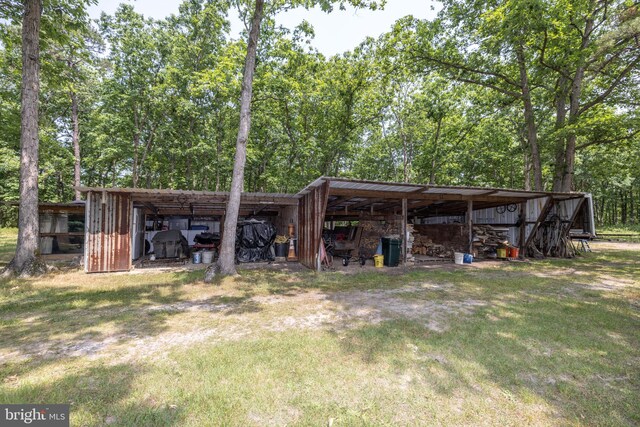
(521, 94)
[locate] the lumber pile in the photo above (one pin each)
(486, 239)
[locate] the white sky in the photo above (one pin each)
(337, 32)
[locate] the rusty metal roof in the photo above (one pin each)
(352, 197)
(167, 201)
(361, 185)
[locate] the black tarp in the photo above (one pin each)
(254, 241)
(206, 238)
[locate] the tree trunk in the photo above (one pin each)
(436, 146)
(561, 115)
(530, 121)
(527, 169)
(25, 261)
(574, 112)
(76, 143)
(136, 147)
(226, 261)
(218, 154)
(570, 149)
(632, 206)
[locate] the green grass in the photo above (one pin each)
(552, 342)
(8, 237)
(631, 232)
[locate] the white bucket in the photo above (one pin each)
(458, 257)
(207, 257)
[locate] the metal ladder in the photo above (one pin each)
(584, 246)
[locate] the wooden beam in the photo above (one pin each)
(388, 206)
(338, 201)
(420, 205)
(470, 224)
(399, 195)
(548, 204)
(345, 213)
(404, 231)
(207, 212)
(365, 203)
(523, 228)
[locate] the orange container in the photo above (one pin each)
(514, 252)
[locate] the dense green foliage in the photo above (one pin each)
(436, 102)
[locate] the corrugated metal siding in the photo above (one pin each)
(450, 219)
(367, 186)
(311, 210)
(491, 216)
(462, 191)
(566, 209)
(107, 232)
(534, 210)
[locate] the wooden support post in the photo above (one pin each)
(542, 215)
(404, 231)
(222, 218)
(523, 229)
(470, 223)
(144, 236)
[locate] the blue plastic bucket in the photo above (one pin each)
(197, 257)
(468, 259)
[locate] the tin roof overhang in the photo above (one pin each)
(166, 201)
(364, 195)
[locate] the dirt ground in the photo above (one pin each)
(206, 318)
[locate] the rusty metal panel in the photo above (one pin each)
(311, 211)
(107, 232)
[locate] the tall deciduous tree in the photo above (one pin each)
(484, 45)
(226, 260)
(593, 50)
(25, 260)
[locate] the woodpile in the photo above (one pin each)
(486, 239)
(423, 245)
(372, 231)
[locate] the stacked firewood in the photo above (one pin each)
(423, 245)
(373, 230)
(486, 239)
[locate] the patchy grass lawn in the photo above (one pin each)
(8, 237)
(554, 342)
(623, 233)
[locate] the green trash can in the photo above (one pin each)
(391, 251)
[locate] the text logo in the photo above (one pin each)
(34, 415)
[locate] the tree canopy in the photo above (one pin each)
(525, 94)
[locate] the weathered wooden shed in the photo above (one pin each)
(116, 217)
(340, 199)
